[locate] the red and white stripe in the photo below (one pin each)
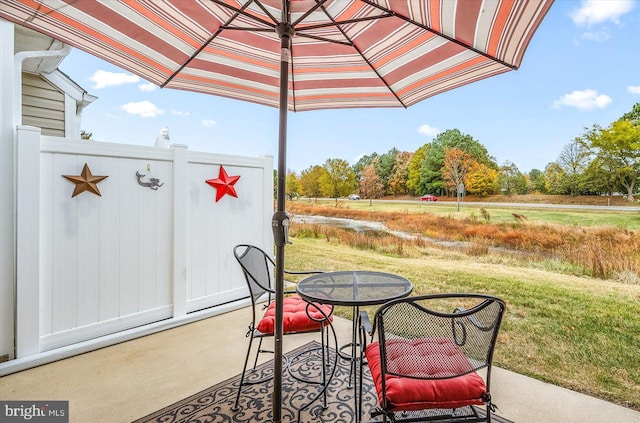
(425, 48)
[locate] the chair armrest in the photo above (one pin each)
(364, 328)
(365, 322)
(305, 272)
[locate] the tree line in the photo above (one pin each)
(599, 161)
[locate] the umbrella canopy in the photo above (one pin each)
(296, 55)
(344, 53)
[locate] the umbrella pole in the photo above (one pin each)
(280, 220)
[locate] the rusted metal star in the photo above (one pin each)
(85, 181)
(224, 184)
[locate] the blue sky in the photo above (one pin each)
(581, 68)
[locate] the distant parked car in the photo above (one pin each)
(428, 197)
(354, 197)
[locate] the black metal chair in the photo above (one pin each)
(299, 316)
(426, 359)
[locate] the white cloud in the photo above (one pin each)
(143, 109)
(429, 131)
(583, 100)
(597, 36)
(179, 113)
(634, 90)
(104, 79)
(594, 12)
(208, 122)
(147, 87)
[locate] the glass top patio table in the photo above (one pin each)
(354, 288)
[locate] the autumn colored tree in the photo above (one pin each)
(554, 179)
(363, 161)
(455, 169)
(431, 167)
(400, 173)
(481, 179)
(370, 185)
(339, 179)
(292, 185)
(309, 181)
(413, 171)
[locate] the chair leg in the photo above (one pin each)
(255, 362)
(359, 377)
(360, 392)
(244, 371)
(325, 359)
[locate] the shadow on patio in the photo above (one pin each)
(126, 381)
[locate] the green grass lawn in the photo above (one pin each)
(579, 333)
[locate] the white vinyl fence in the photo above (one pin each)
(92, 266)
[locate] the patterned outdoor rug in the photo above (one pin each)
(215, 403)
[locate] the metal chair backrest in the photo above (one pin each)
(258, 268)
(449, 323)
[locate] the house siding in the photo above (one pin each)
(43, 105)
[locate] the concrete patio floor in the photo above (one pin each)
(123, 382)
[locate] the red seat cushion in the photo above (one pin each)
(295, 315)
(434, 357)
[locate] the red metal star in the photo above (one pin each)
(224, 184)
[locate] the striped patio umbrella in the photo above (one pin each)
(296, 55)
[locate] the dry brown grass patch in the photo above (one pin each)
(599, 251)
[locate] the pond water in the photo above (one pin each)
(339, 222)
(371, 226)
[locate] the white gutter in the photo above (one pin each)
(18, 59)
